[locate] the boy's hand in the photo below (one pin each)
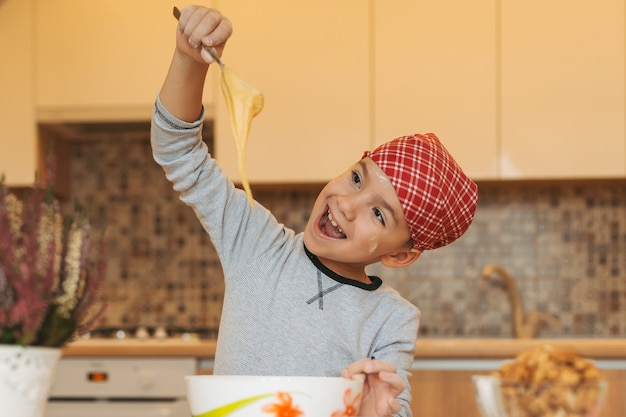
(181, 93)
(199, 26)
(382, 386)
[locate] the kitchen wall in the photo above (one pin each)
(563, 242)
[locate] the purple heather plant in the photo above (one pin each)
(48, 283)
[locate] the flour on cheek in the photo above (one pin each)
(373, 243)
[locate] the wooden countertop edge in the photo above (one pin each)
(509, 348)
(201, 350)
(424, 348)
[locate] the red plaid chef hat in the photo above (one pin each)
(438, 199)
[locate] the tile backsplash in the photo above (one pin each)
(564, 243)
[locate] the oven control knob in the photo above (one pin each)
(147, 378)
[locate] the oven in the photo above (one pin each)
(120, 387)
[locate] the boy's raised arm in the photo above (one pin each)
(181, 93)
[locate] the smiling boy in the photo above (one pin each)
(356, 221)
(302, 304)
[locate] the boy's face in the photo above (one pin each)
(356, 220)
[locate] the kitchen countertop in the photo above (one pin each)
(203, 349)
(424, 348)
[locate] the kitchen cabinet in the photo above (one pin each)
(18, 135)
(438, 392)
(354, 87)
(443, 393)
(311, 61)
(435, 71)
(528, 90)
(102, 59)
(516, 90)
(562, 89)
(615, 405)
(441, 374)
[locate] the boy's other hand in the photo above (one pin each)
(382, 386)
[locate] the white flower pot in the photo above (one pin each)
(26, 375)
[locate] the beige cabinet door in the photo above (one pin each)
(102, 59)
(435, 71)
(18, 137)
(311, 61)
(562, 89)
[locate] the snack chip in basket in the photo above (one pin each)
(549, 382)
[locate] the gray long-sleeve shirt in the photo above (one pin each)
(284, 313)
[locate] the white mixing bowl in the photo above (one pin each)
(272, 396)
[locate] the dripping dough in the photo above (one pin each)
(244, 103)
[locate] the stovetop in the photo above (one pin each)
(150, 332)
